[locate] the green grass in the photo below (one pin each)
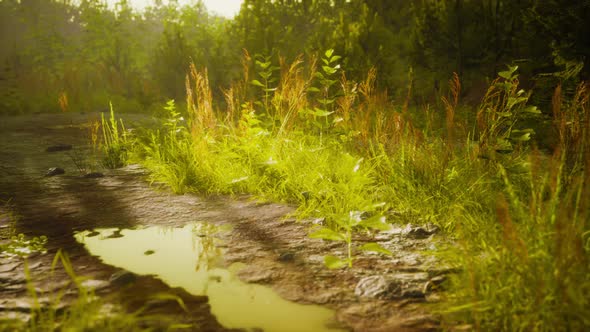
(519, 218)
(115, 141)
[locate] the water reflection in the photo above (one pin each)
(188, 257)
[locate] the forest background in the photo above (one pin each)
(60, 54)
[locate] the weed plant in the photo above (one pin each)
(19, 245)
(518, 216)
(14, 245)
(115, 141)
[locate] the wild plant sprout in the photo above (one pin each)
(115, 140)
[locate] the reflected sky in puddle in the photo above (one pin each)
(187, 257)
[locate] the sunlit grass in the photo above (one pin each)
(517, 216)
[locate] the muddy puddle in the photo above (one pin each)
(191, 257)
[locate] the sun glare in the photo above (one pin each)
(226, 8)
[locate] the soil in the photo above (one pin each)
(274, 246)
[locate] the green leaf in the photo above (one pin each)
(503, 145)
(263, 65)
(327, 234)
(523, 138)
(335, 58)
(319, 75)
(513, 101)
(330, 82)
(320, 112)
(329, 53)
(508, 74)
(257, 83)
(504, 74)
(329, 70)
(327, 101)
(313, 89)
(532, 110)
(375, 247)
(522, 131)
(333, 262)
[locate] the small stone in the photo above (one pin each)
(116, 234)
(319, 221)
(215, 278)
(54, 171)
(376, 287)
(419, 232)
(408, 277)
(158, 302)
(286, 257)
(122, 278)
(59, 147)
(93, 175)
(413, 293)
(95, 284)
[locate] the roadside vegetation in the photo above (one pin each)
(364, 135)
(343, 153)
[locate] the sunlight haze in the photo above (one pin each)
(227, 8)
